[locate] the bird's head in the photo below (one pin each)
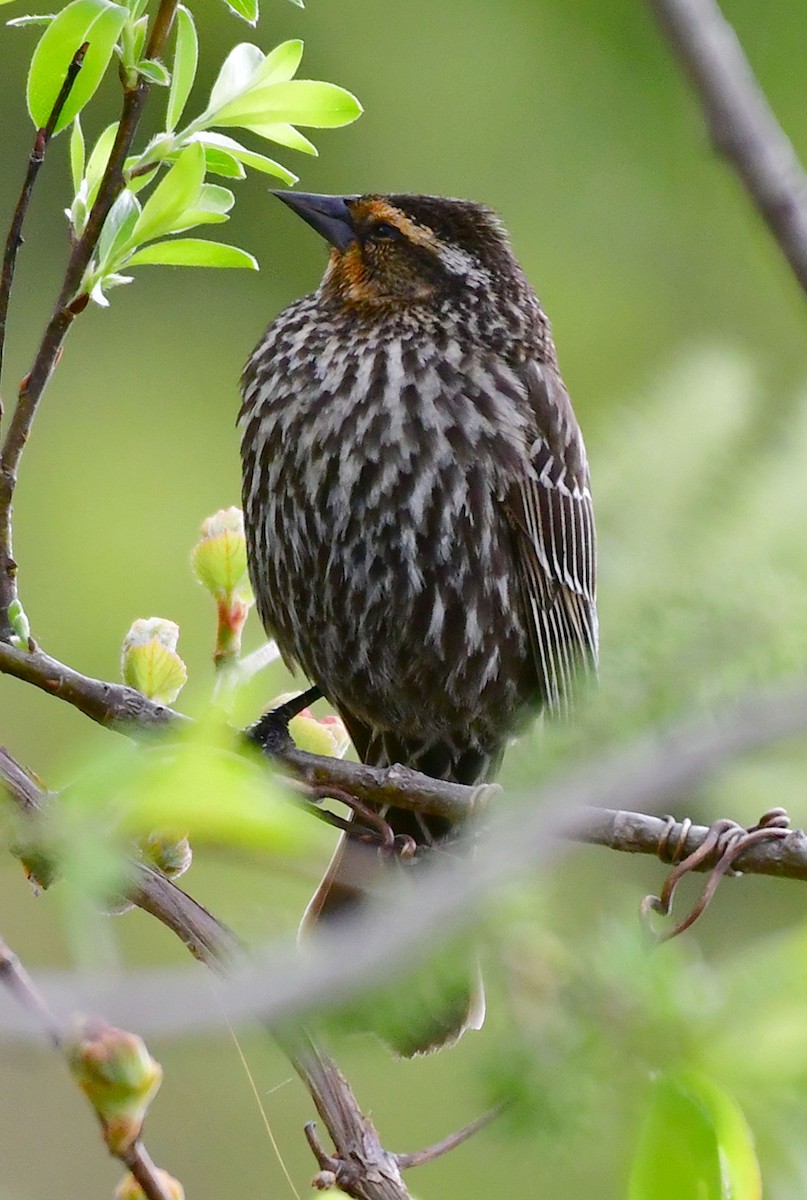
(398, 251)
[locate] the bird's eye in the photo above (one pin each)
(387, 232)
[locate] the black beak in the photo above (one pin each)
(329, 215)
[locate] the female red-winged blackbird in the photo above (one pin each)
(416, 498)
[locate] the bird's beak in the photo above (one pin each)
(329, 215)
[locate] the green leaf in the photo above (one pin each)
(118, 227)
(176, 193)
(210, 208)
(77, 153)
(98, 22)
(186, 56)
(236, 74)
(284, 135)
(695, 1143)
(299, 3)
(280, 64)
(248, 9)
(219, 162)
(193, 252)
(99, 157)
(153, 71)
(298, 102)
(34, 19)
(258, 162)
(139, 30)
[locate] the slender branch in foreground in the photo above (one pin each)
(35, 160)
(741, 122)
(68, 306)
(16, 981)
(360, 1164)
(420, 1157)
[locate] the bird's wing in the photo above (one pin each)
(550, 511)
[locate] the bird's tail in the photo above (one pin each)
(448, 1006)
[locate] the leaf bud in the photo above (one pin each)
(118, 1076)
(170, 854)
(150, 662)
(219, 559)
(317, 735)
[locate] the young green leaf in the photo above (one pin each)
(34, 19)
(118, 227)
(154, 72)
(298, 102)
(77, 153)
(186, 56)
(139, 30)
(248, 9)
(99, 157)
(713, 1156)
(176, 193)
(193, 252)
(98, 22)
(220, 162)
(235, 75)
(285, 135)
(210, 208)
(280, 64)
(219, 142)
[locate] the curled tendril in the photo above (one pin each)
(724, 843)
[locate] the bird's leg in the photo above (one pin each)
(271, 731)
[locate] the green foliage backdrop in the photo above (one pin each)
(681, 337)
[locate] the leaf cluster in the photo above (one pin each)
(167, 190)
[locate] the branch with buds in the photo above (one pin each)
(117, 1075)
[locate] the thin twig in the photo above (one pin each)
(361, 1166)
(140, 1163)
(360, 1163)
(420, 1157)
(18, 983)
(742, 124)
(69, 304)
(35, 160)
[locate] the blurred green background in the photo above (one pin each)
(681, 338)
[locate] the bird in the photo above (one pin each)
(417, 508)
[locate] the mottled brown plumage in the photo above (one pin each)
(416, 493)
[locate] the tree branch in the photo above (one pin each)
(17, 983)
(641, 833)
(741, 122)
(742, 726)
(111, 704)
(399, 932)
(68, 306)
(35, 160)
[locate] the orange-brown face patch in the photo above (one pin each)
(368, 274)
(347, 274)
